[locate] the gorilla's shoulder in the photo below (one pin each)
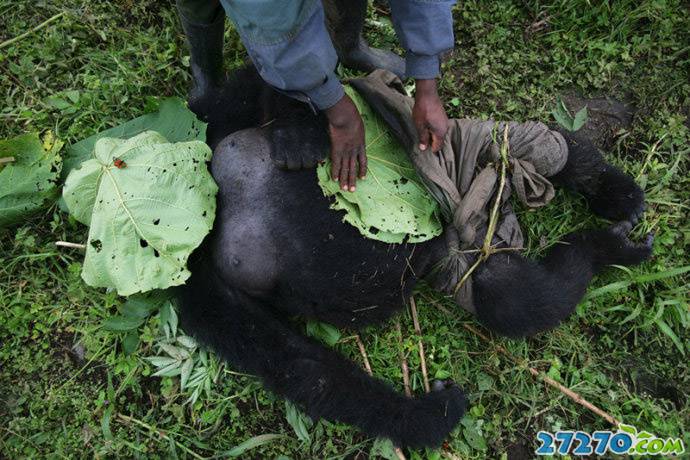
(240, 155)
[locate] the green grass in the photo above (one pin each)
(67, 389)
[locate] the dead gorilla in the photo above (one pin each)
(278, 251)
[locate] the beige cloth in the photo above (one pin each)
(463, 176)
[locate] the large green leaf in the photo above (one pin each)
(30, 180)
(391, 204)
(173, 120)
(145, 216)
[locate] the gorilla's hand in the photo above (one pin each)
(298, 144)
(613, 246)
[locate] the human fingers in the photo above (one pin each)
(362, 159)
(424, 137)
(335, 166)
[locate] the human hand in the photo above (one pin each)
(428, 115)
(348, 155)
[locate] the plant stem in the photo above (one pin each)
(30, 31)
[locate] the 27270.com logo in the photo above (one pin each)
(625, 441)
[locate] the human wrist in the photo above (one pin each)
(425, 88)
(342, 113)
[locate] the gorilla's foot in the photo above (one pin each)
(610, 192)
(363, 57)
(430, 418)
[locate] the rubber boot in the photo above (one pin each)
(345, 20)
(206, 61)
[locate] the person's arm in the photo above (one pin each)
(425, 29)
(288, 42)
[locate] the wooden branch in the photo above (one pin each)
(403, 361)
(67, 244)
(418, 331)
(548, 380)
(7, 160)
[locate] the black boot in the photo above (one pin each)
(345, 19)
(206, 60)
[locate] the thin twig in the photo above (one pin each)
(128, 419)
(566, 391)
(493, 219)
(399, 453)
(418, 331)
(493, 250)
(30, 31)
(403, 361)
(7, 160)
(360, 345)
(67, 244)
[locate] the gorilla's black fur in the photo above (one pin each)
(277, 251)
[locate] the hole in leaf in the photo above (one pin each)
(97, 245)
(156, 222)
(155, 253)
(143, 243)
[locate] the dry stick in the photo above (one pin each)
(29, 32)
(128, 419)
(7, 160)
(566, 391)
(418, 331)
(403, 361)
(360, 345)
(67, 244)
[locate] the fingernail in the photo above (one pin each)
(352, 189)
(422, 147)
(335, 179)
(344, 187)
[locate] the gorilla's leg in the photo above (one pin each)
(345, 19)
(515, 296)
(610, 192)
(203, 22)
(250, 336)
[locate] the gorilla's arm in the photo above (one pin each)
(611, 193)
(516, 296)
(252, 338)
